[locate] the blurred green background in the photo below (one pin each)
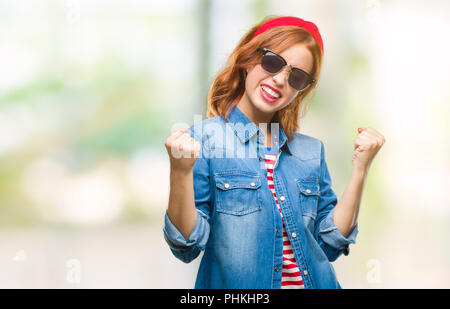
(89, 91)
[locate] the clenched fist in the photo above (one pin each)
(183, 150)
(367, 144)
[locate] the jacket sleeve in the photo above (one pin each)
(188, 250)
(329, 237)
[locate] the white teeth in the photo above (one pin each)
(271, 92)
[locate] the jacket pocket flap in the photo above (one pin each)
(235, 180)
(309, 186)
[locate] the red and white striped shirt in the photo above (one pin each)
(290, 275)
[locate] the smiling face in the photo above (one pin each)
(256, 103)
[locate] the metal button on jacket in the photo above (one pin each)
(308, 191)
(282, 198)
(227, 185)
(294, 235)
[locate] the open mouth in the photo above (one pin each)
(268, 94)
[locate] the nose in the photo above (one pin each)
(281, 77)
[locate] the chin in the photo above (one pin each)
(263, 106)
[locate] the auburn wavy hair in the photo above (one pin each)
(229, 84)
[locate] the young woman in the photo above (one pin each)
(250, 191)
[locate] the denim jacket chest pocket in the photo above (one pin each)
(309, 190)
(237, 192)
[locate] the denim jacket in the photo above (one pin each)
(238, 224)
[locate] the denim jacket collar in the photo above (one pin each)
(247, 128)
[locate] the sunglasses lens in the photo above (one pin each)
(299, 80)
(272, 63)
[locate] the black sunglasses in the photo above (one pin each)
(274, 63)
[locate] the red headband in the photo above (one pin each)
(292, 21)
